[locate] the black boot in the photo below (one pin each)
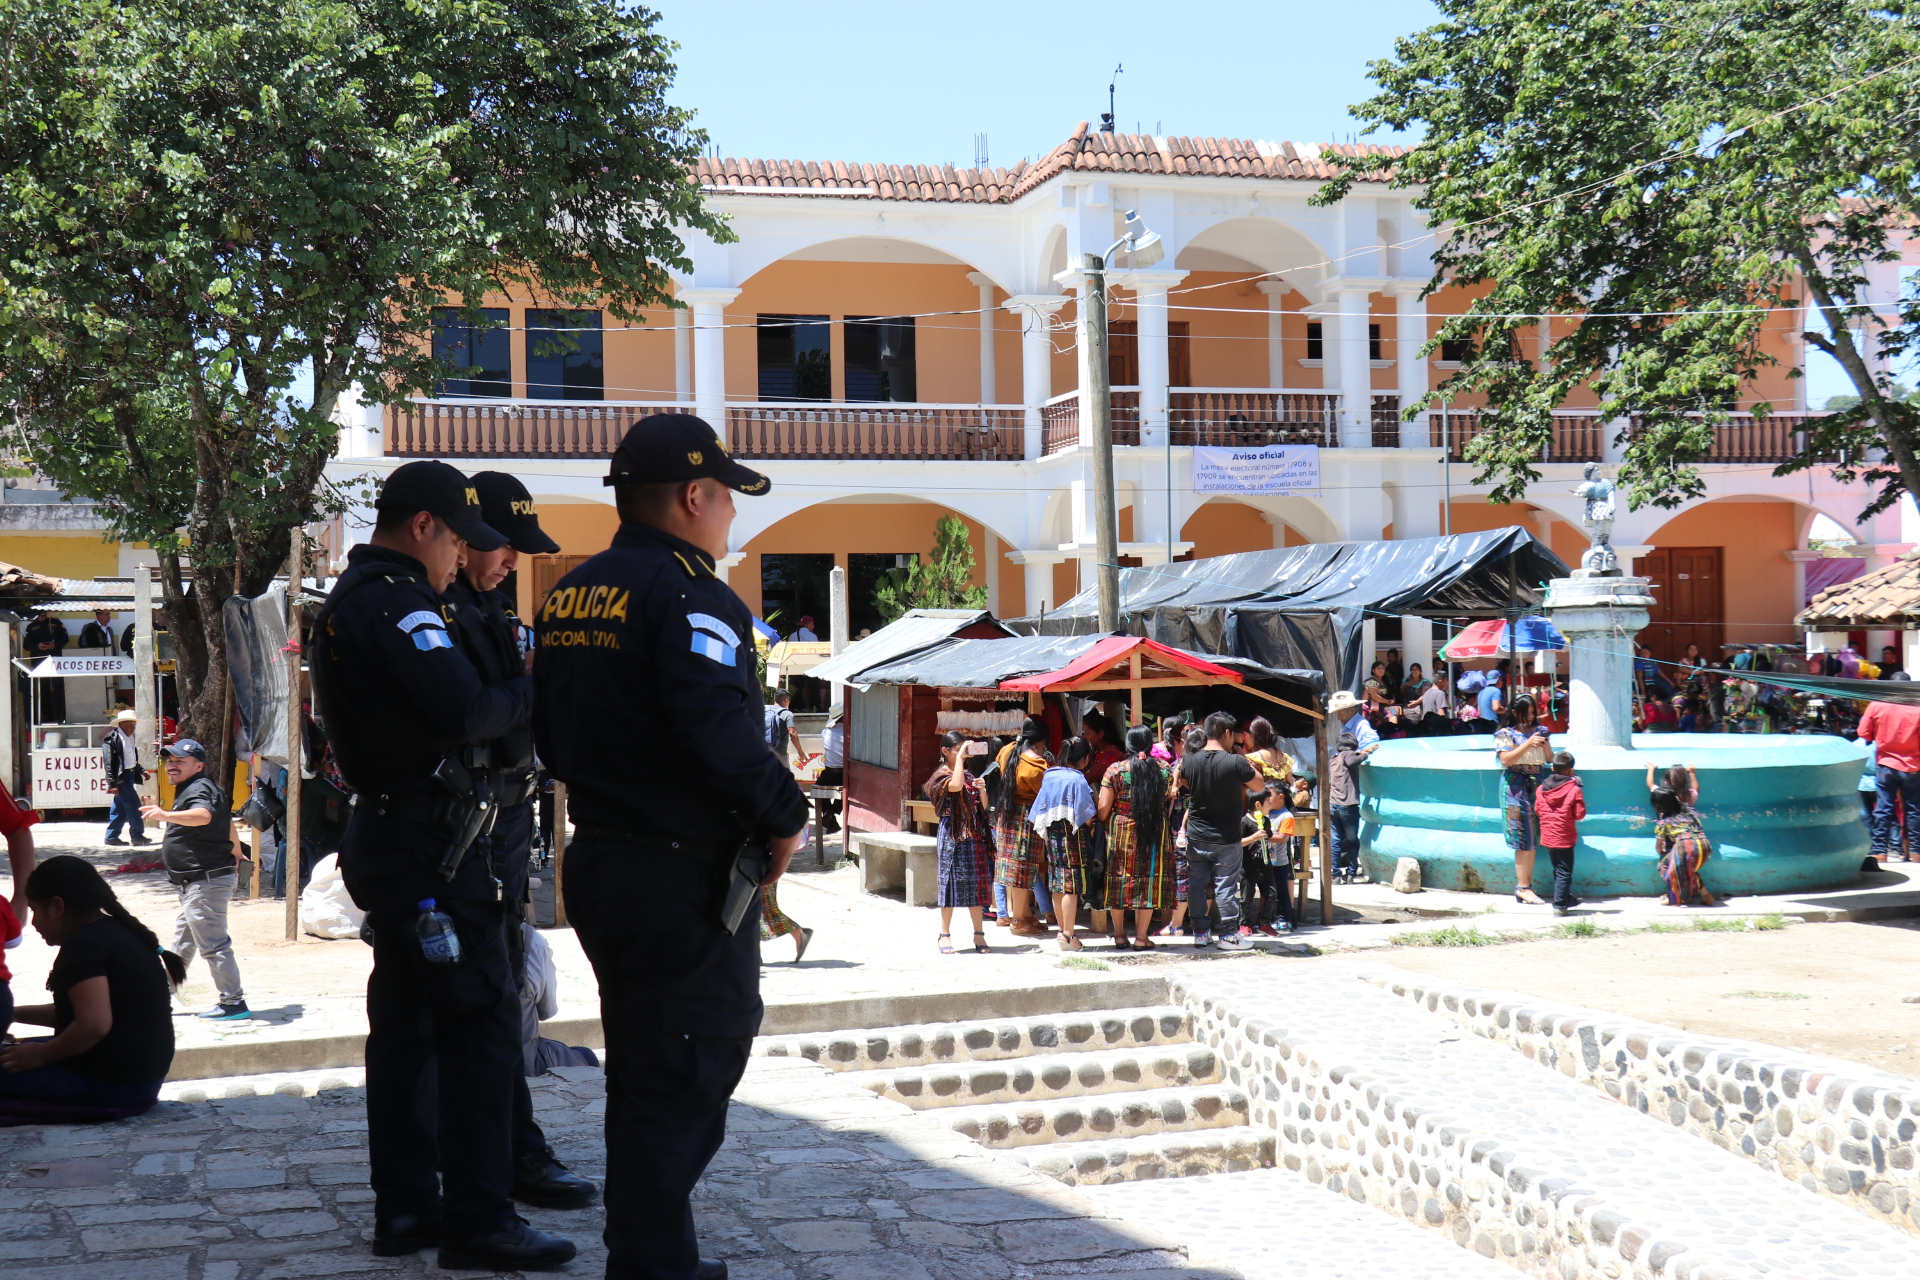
(711, 1269)
(542, 1181)
(406, 1234)
(515, 1248)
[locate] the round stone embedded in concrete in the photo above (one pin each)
(1783, 812)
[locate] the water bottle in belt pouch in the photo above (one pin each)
(439, 943)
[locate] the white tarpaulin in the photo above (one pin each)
(1277, 469)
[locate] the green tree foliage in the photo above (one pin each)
(220, 217)
(940, 583)
(1668, 171)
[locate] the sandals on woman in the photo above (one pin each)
(1070, 943)
(1145, 944)
(945, 941)
(980, 946)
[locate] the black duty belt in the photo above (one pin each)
(192, 877)
(702, 849)
(413, 808)
(515, 791)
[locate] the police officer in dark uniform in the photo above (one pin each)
(407, 714)
(484, 626)
(650, 712)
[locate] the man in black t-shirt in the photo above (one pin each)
(1217, 781)
(198, 851)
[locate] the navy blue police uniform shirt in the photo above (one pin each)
(648, 707)
(394, 692)
(486, 629)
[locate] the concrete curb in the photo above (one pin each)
(317, 1053)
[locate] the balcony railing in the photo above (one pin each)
(1386, 422)
(1577, 437)
(1778, 437)
(1248, 419)
(1060, 420)
(830, 431)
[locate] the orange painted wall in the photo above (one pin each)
(1223, 528)
(840, 529)
(1757, 576)
(581, 528)
(946, 347)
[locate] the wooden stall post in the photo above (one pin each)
(296, 572)
(1327, 728)
(559, 853)
(146, 701)
(1139, 694)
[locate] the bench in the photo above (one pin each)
(901, 860)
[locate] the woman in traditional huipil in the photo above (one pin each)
(1019, 854)
(1133, 804)
(965, 842)
(1063, 818)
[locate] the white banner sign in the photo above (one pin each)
(70, 778)
(82, 667)
(1279, 469)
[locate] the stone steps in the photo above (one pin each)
(1186, 1153)
(1061, 1075)
(985, 1041)
(1398, 1109)
(1107, 1115)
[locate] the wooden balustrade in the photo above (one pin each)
(1248, 419)
(1577, 437)
(1386, 422)
(462, 429)
(1060, 421)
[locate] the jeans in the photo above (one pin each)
(1562, 874)
(1042, 900)
(1889, 784)
(125, 812)
(1346, 839)
(1214, 869)
(55, 1094)
(202, 928)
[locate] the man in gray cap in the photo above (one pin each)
(650, 712)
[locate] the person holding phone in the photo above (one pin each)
(966, 840)
(1522, 747)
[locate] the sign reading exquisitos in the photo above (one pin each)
(1277, 469)
(69, 778)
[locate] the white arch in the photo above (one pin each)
(1269, 244)
(995, 257)
(990, 512)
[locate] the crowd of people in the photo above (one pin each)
(1190, 830)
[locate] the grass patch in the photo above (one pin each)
(1081, 962)
(1451, 936)
(1766, 995)
(1720, 924)
(1578, 929)
(1772, 920)
(1667, 926)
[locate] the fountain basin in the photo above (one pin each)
(1783, 812)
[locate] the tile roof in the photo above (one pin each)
(1092, 153)
(1889, 597)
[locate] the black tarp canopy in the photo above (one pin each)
(1904, 692)
(1301, 608)
(984, 664)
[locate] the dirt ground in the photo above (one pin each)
(1831, 989)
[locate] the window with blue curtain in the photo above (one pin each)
(564, 356)
(795, 357)
(477, 351)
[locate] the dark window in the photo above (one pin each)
(1457, 350)
(1373, 342)
(793, 587)
(481, 350)
(1316, 344)
(794, 359)
(879, 358)
(864, 571)
(564, 356)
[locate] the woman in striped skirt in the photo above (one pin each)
(965, 842)
(1018, 852)
(1133, 803)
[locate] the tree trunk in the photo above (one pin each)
(1841, 346)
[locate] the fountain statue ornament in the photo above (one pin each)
(1599, 560)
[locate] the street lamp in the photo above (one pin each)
(1143, 249)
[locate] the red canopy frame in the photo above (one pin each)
(1148, 665)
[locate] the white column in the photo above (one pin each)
(1039, 569)
(989, 393)
(1078, 280)
(1879, 555)
(682, 356)
(1800, 559)
(1410, 334)
(1276, 291)
(710, 353)
(1036, 357)
(990, 543)
(726, 562)
(1349, 338)
(1150, 300)
(1416, 644)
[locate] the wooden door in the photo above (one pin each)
(1123, 353)
(1689, 601)
(544, 571)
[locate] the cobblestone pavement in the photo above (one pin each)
(819, 1180)
(1269, 1224)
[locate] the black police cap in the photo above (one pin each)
(507, 506)
(667, 448)
(438, 489)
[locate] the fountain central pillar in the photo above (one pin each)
(1600, 616)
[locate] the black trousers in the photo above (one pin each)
(1562, 874)
(511, 846)
(680, 1004)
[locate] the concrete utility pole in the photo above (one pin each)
(1106, 520)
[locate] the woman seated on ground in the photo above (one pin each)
(111, 1014)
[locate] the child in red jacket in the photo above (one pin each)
(1560, 804)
